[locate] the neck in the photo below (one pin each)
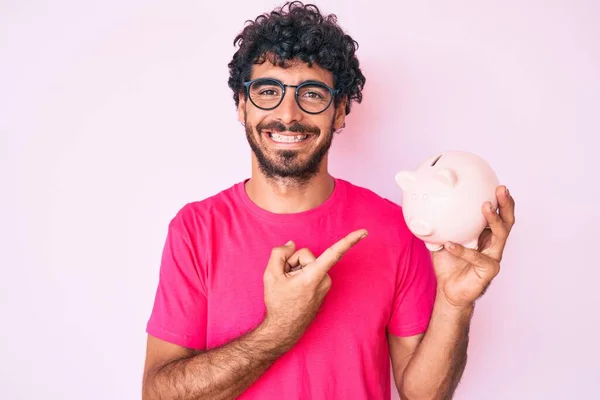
(285, 195)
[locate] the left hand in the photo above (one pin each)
(464, 274)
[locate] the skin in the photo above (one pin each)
(285, 180)
(430, 366)
(290, 194)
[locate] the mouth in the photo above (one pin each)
(287, 137)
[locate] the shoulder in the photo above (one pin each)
(195, 214)
(374, 208)
(377, 206)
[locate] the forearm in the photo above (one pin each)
(440, 359)
(221, 373)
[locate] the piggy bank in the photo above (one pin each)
(443, 198)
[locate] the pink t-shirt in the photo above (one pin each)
(211, 289)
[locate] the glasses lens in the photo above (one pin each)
(314, 97)
(265, 93)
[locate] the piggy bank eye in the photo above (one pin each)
(414, 196)
(425, 196)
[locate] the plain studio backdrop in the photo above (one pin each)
(114, 114)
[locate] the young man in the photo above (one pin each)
(294, 284)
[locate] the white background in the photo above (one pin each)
(114, 114)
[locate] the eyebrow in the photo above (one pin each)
(304, 81)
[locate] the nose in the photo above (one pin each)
(288, 111)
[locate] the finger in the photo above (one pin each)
(279, 256)
(486, 267)
(494, 220)
(300, 259)
(498, 229)
(506, 204)
(293, 272)
(335, 253)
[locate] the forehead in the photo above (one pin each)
(294, 72)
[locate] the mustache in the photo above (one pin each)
(276, 126)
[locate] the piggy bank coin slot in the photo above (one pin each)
(436, 160)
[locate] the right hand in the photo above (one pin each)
(296, 283)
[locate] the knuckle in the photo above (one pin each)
(306, 253)
(336, 255)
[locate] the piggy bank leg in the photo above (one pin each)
(433, 246)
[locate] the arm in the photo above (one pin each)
(292, 299)
(175, 372)
(430, 366)
(463, 275)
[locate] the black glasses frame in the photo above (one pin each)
(283, 87)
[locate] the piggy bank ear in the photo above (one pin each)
(405, 179)
(446, 176)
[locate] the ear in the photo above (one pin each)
(241, 107)
(405, 179)
(446, 176)
(340, 114)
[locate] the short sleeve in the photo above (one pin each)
(179, 312)
(415, 293)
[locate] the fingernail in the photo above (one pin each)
(450, 246)
(506, 191)
(290, 242)
(490, 207)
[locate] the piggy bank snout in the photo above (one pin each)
(420, 227)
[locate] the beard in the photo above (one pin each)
(288, 164)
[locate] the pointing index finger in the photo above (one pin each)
(335, 253)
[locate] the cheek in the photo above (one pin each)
(324, 122)
(256, 117)
(252, 121)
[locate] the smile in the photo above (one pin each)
(280, 138)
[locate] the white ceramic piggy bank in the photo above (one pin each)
(443, 198)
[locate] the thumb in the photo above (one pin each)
(279, 257)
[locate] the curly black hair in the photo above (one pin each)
(298, 31)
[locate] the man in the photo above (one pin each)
(294, 284)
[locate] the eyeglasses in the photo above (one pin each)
(312, 97)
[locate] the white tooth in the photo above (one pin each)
(287, 139)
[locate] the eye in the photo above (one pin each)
(268, 92)
(313, 95)
(414, 196)
(314, 92)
